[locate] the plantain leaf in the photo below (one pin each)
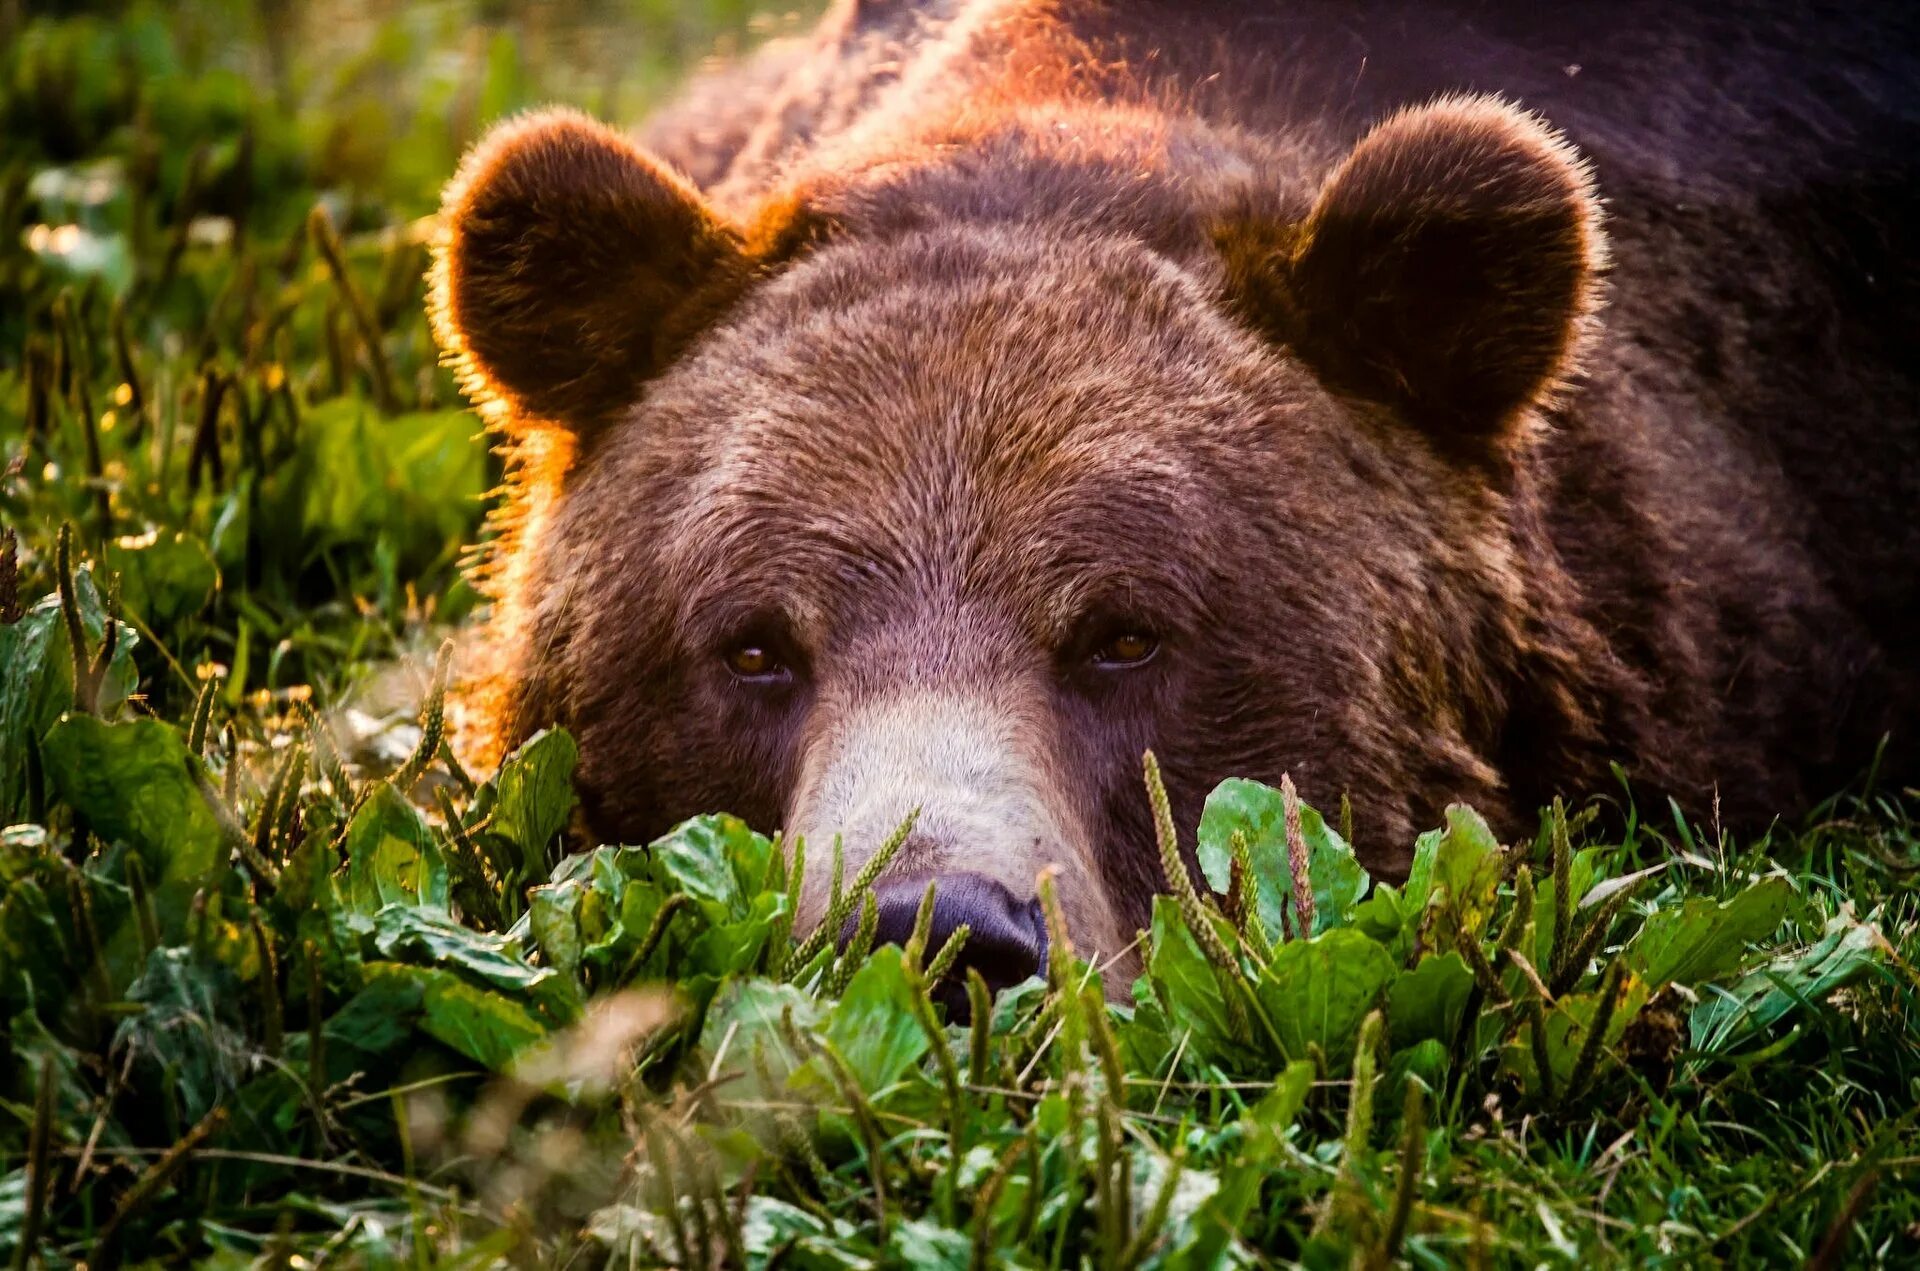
(486, 1026)
(134, 783)
(533, 797)
(1259, 812)
(1317, 991)
(872, 1025)
(1701, 939)
(1426, 1002)
(36, 682)
(1730, 1017)
(392, 856)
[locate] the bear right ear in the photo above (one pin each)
(1448, 269)
(570, 267)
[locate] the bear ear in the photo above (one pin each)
(569, 268)
(1449, 268)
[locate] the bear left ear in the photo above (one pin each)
(1449, 268)
(569, 268)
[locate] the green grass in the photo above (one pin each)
(278, 980)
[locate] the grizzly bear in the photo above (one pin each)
(1431, 401)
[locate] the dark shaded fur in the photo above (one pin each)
(1001, 315)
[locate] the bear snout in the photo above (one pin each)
(1006, 935)
(991, 809)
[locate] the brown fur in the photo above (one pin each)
(1011, 325)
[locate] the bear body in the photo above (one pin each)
(1025, 386)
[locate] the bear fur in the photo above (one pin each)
(1453, 400)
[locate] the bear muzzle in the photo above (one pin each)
(990, 812)
(1006, 935)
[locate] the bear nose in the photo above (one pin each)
(1006, 936)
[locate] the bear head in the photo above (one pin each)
(922, 491)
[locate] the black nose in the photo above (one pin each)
(1006, 936)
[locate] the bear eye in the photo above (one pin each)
(1126, 649)
(757, 662)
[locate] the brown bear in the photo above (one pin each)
(1028, 384)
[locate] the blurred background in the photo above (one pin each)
(214, 360)
(255, 108)
(373, 98)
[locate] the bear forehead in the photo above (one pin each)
(960, 412)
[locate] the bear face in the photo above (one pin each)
(964, 516)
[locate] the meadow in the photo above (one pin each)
(283, 984)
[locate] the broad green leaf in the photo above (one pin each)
(1317, 991)
(377, 1020)
(731, 948)
(1424, 1061)
(164, 577)
(1568, 1021)
(188, 1038)
(36, 682)
(872, 1025)
(1382, 915)
(392, 856)
(553, 915)
(579, 917)
(407, 482)
(922, 1243)
(716, 859)
(1426, 1002)
(692, 857)
(743, 1032)
(307, 882)
(1729, 1017)
(1143, 1033)
(1259, 812)
(1464, 864)
(134, 782)
(424, 936)
(1186, 985)
(534, 796)
(487, 1027)
(1700, 940)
